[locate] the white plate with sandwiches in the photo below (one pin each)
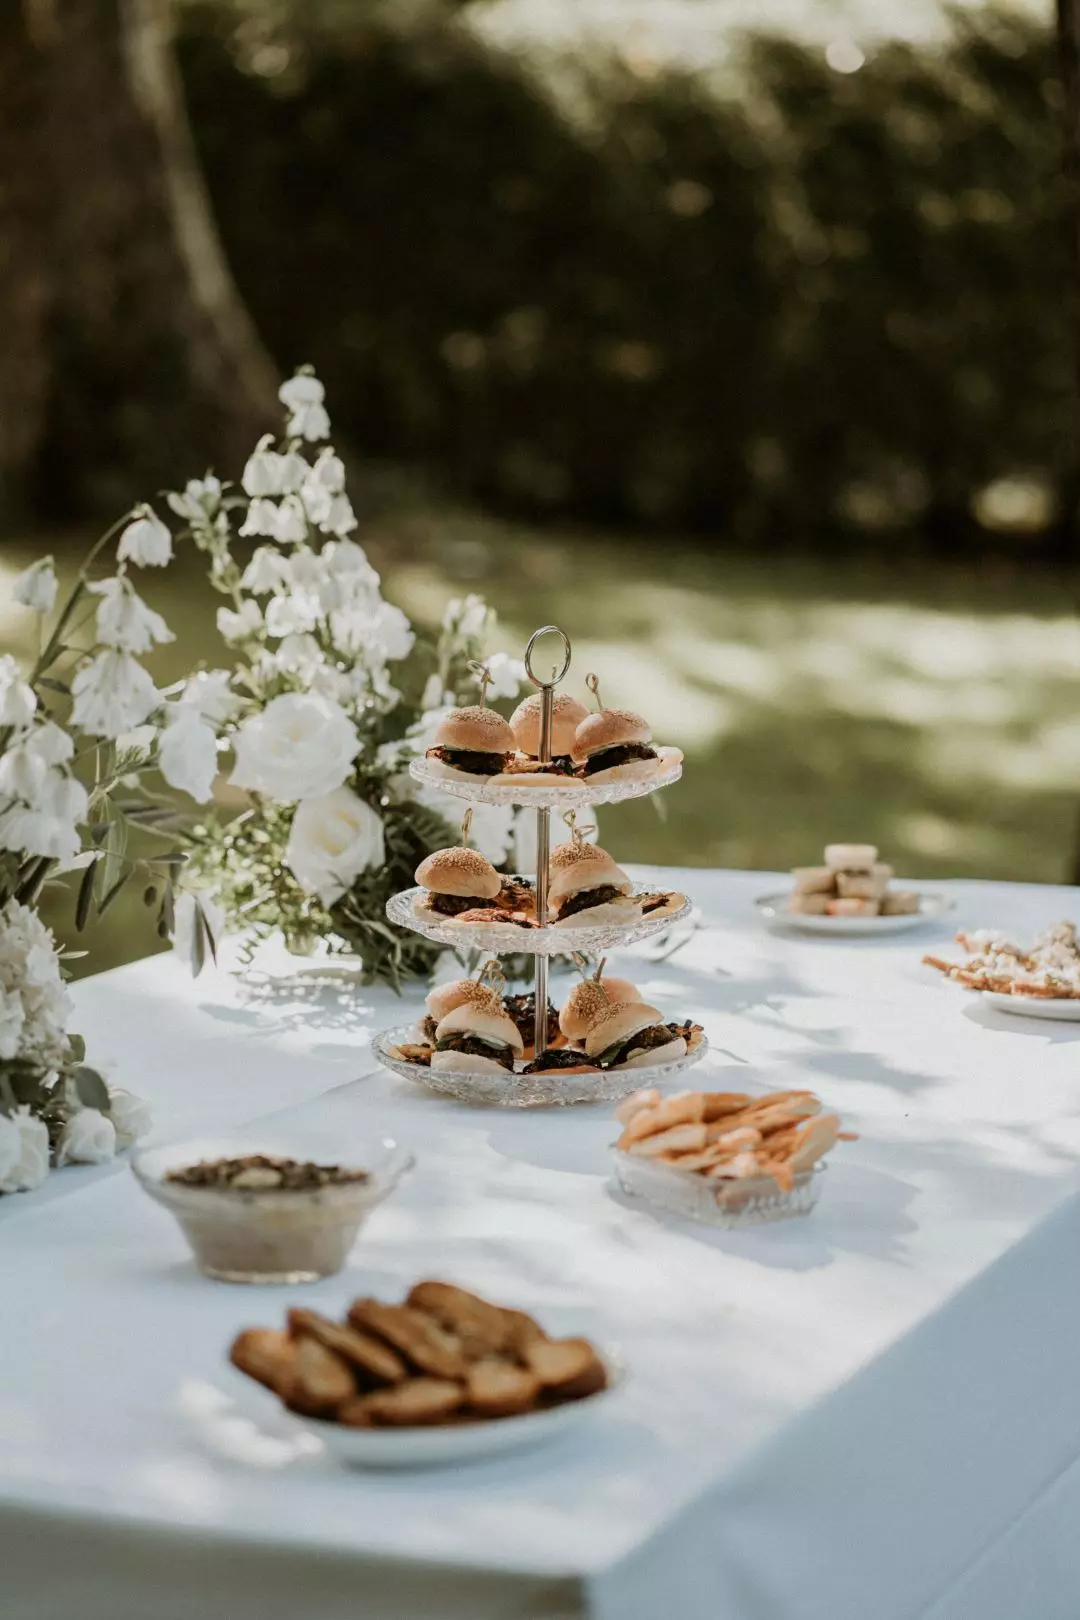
(775, 910)
(851, 894)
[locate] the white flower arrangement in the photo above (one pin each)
(330, 696)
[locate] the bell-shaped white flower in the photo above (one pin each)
(187, 752)
(113, 694)
(293, 472)
(36, 586)
(17, 699)
(262, 474)
(209, 693)
(346, 560)
(267, 571)
(50, 743)
(22, 775)
(296, 614)
(261, 518)
(146, 541)
(301, 390)
(304, 569)
(125, 621)
(238, 625)
(328, 472)
(300, 655)
(340, 517)
(309, 422)
(290, 525)
(199, 499)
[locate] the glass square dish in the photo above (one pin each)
(730, 1204)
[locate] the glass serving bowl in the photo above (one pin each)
(731, 1204)
(553, 1089)
(550, 941)
(577, 793)
(269, 1235)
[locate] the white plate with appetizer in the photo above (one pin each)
(1037, 981)
(439, 1379)
(1066, 1008)
(774, 909)
(851, 893)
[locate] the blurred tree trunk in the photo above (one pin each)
(129, 356)
(1068, 35)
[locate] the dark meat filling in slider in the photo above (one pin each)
(589, 898)
(608, 758)
(465, 759)
(478, 1046)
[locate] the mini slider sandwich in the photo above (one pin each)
(591, 999)
(587, 888)
(470, 743)
(633, 1036)
(476, 1037)
(458, 880)
(527, 768)
(460, 993)
(614, 745)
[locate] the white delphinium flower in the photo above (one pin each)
(124, 620)
(23, 767)
(88, 1137)
(466, 616)
(131, 1116)
(146, 541)
(346, 560)
(17, 699)
(262, 474)
(333, 839)
(112, 695)
(24, 1151)
(135, 747)
(238, 625)
(296, 614)
(198, 501)
(187, 752)
(377, 632)
(290, 522)
(47, 824)
(209, 692)
(36, 586)
(300, 655)
(262, 517)
(267, 571)
(301, 746)
(508, 675)
(303, 396)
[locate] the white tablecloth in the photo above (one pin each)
(874, 1412)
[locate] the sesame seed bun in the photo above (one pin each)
(589, 868)
(459, 871)
(608, 729)
(481, 731)
(628, 1018)
(462, 992)
(659, 1054)
(469, 1019)
(590, 999)
(609, 912)
(566, 715)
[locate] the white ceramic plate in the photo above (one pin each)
(773, 908)
(446, 1446)
(507, 937)
(1033, 1006)
(484, 791)
(550, 1089)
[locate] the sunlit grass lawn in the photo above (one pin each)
(931, 711)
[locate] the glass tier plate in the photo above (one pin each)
(572, 797)
(729, 1204)
(508, 938)
(504, 1090)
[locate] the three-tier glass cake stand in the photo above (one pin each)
(553, 1086)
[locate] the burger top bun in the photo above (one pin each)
(473, 1020)
(480, 731)
(461, 993)
(608, 729)
(589, 868)
(590, 1000)
(459, 871)
(566, 715)
(627, 1019)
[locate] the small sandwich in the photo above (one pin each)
(633, 1036)
(587, 889)
(476, 1037)
(522, 1010)
(615, 746)
(460, 993)
(457, 880)
(471, 743)
(591, 998)
(527, 768)
(564, 1059)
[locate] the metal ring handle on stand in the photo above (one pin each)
(543, 825)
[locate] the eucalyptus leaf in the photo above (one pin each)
(108, 898)
(51, 684)
(85, 897)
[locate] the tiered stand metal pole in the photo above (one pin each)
(543, 821)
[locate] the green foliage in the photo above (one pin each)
(828, 303)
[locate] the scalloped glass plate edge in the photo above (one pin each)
(507, 938)
(551, 1090)
(731, 1205)
(547, 798)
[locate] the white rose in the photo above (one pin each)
(24, 1151)
(112, 695)
(36, 586)
(88, 1137)
(17, 700)
(301, 746)
(333, 839)
(146, 542)
(125, 621)
(130, 1115)
(187, 753)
